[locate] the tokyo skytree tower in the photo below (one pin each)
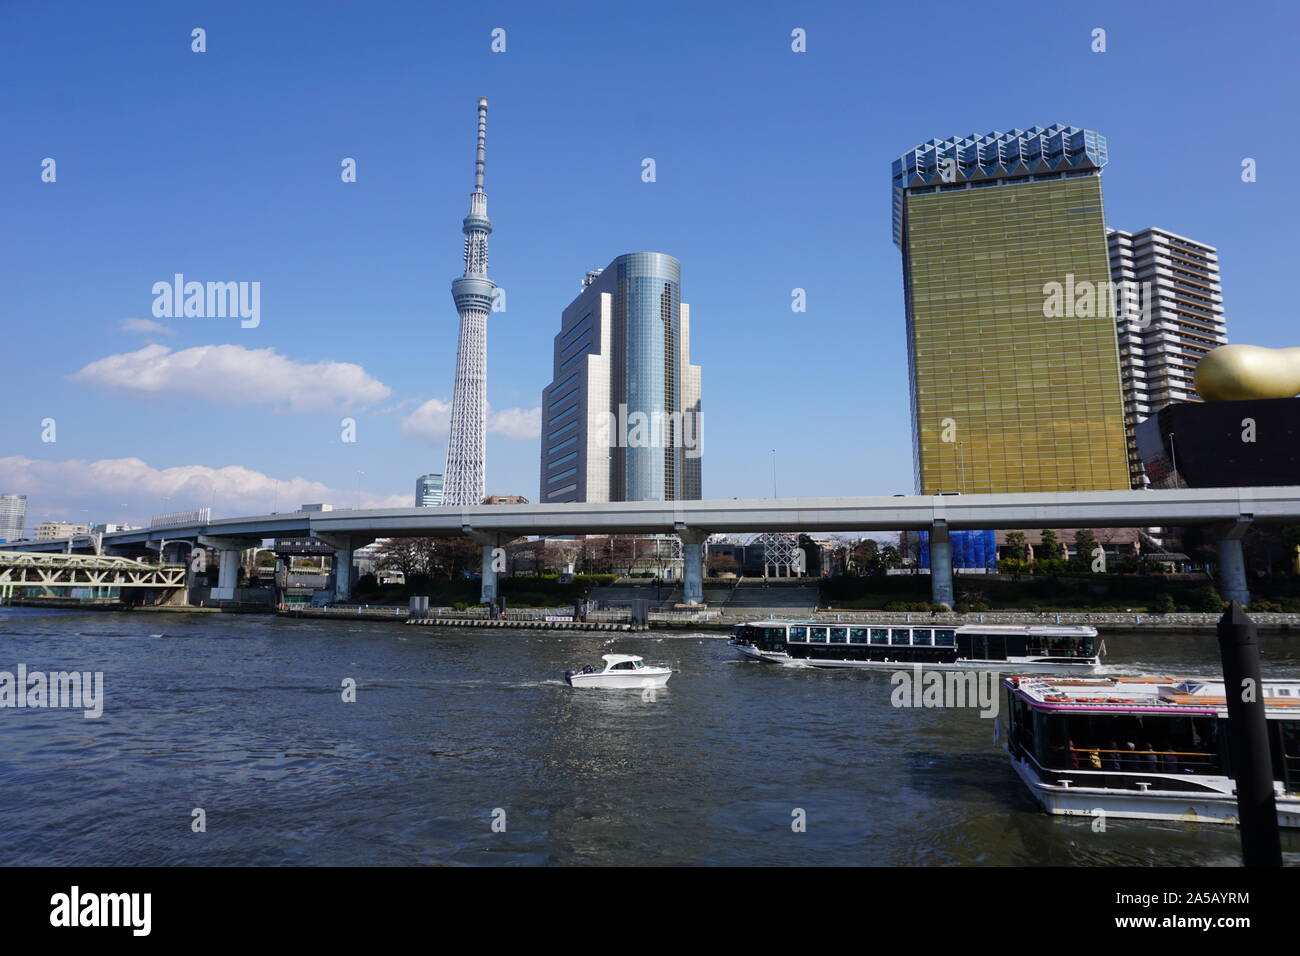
(473, 292)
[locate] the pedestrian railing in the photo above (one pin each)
(678, 616)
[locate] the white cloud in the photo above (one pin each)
(520, 424)
(145, 327)
(234, 375)
(432, 421)
(129, 489)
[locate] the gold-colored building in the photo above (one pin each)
(1011, 332)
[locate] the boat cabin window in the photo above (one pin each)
(1125, 743)
(880, 635)
(839, 635)
(1286, 753)
(817, 635)
(857, 635)
(1037, 645)
(624, 666)
(945, 638)
(799, 635)
(899, 635)
(982, 647)
(764, 638)
(922, 636)
(770, 638)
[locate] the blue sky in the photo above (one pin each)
(772, 174)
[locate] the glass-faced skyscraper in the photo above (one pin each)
(428, 491)
(1014, 371)
(621, 417)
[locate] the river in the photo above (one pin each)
(243, 717)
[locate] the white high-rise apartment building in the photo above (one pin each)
(1169, 313)
(13, 516)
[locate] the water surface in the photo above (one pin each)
(243, 717)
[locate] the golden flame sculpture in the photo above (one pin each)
(1233, 373)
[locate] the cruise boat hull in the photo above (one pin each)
(747, 652)
(1153, 804)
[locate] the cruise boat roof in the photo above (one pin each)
(1178, 695)
(1036, 630)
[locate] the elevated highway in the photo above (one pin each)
(1228, 511)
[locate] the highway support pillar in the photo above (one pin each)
(940, 564)
(493, 563)
(692, 563)
(1232, 562)
(229, 551)
(343, 575)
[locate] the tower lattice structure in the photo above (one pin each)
(464, 481)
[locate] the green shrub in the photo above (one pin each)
(911, 606)
(1205, 599)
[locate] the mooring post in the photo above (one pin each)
(1248, 750)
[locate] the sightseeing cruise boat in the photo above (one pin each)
(1148, 748)
(1005, 647)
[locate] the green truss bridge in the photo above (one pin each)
(20, 570)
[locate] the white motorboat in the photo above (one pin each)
(620, 670)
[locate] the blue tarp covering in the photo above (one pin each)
(970, 549)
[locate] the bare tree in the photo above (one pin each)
(401, 554)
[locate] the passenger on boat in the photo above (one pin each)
(1150, 759)
(1112, 757)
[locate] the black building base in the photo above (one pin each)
(1222, 444)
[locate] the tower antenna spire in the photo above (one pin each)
(481, 156)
